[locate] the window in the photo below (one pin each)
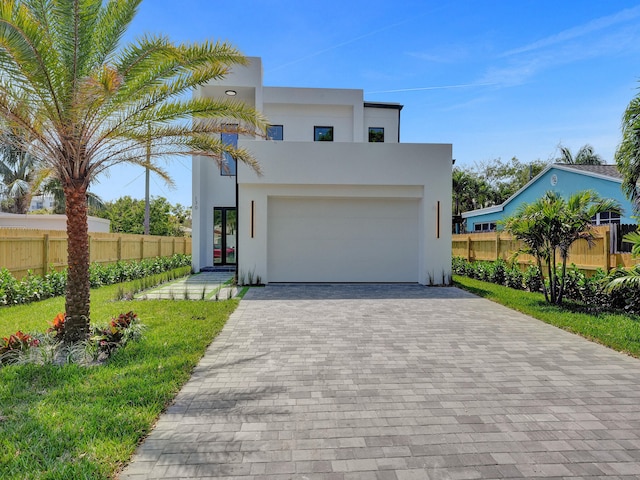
(376, 134)
(323, 134)
(229, 137)
(484, 227)
(605, 218)
(275, 132)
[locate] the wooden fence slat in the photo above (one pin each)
(491, 246)
(22, 250)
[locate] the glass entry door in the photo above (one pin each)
(224, 235)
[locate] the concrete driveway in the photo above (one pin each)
(396, 382)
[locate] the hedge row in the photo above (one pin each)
(36, 287)
(591, 291)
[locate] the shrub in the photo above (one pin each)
(532, 279)
(591, 291)
(514, 278)
(34, 287)
(499, 272)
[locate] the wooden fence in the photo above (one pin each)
(38, 250)
(494, 245)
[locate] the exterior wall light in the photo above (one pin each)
(231, 93)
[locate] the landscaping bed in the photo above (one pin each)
(85, 422)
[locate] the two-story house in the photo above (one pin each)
(340, 198)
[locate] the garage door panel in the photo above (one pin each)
(342, 240)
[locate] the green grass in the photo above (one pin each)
(75, 422)
(618, 331)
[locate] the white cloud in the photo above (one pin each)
(579, 31)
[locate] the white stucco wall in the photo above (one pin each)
(387, 118)
(349, 170)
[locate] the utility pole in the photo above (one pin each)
(147, 212)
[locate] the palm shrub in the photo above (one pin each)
(88, 104)
(549, 226)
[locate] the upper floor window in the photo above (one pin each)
(376, 134)
(229, 136)
(323, 134)
(275, 132)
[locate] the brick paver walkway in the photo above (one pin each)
(396, 382)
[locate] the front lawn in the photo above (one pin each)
(85, 422)
(618, 331)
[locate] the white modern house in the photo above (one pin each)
(340, 199)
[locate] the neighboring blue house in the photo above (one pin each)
(566, 180)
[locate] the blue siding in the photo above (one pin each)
(569, 182)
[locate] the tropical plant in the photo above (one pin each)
(585, 156)
(628, 152)
(91, 105)
(550, 225)
(631, 277)
(18, 170)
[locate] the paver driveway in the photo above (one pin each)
(406, 382)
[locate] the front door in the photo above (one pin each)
(224, 236)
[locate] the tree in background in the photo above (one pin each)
(550, 225)
(628, 152)
(18, 171)
(88, 104)
(490, 183)
(127, 216)
(585, 156)
(507, 177)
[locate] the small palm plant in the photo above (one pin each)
(550, 225)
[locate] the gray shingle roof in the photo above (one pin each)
(606, 170)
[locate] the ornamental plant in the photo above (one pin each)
(57, 326)
(13, 345)
(121, 329)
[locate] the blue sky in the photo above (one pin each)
(496, 79)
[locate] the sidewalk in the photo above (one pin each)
(201, 286)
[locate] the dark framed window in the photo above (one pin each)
(376, 134)
(484, 227)
(323, 134)
(275, 132)
(229, 136)
(605, 218)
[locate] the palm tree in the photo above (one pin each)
(585, 156)
(92, 105)
(550, 225)
(18, 170)
(628, 152)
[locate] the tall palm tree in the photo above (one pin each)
(585, 156)
(550, 225)
(92, 105)
(628, 152)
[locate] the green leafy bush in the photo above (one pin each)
(592, 291)
(35, 287)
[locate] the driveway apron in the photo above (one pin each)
(396, 382)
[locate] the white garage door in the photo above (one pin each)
(342, 240)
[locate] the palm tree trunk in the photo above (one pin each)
(544, 286)
(563, 277)
(77, 297)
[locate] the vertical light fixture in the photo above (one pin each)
(252, 211)
(438, 220)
